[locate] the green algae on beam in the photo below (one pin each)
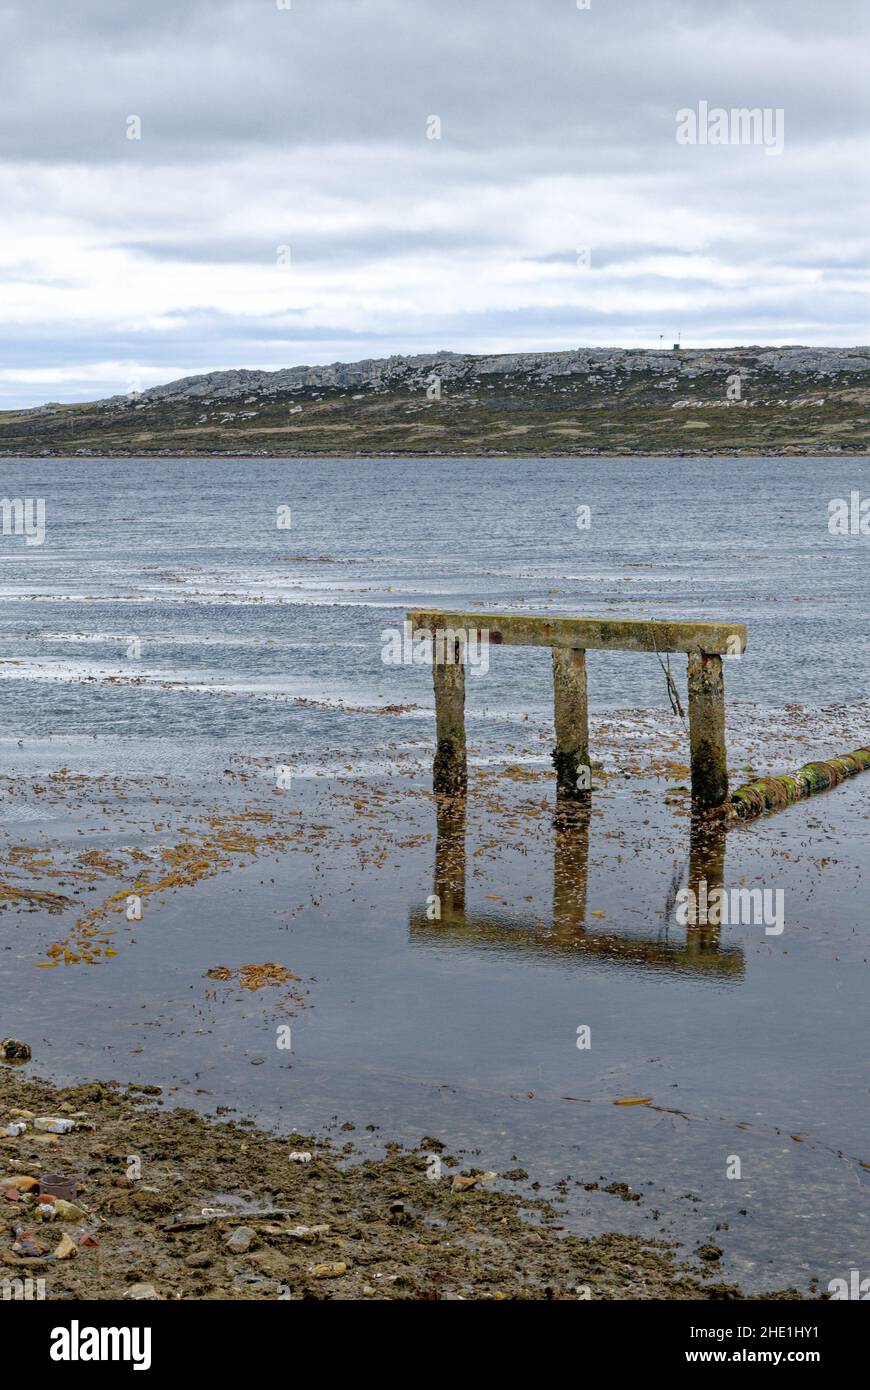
(601, 634)
(783, 789)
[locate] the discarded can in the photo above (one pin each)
(56, 1185)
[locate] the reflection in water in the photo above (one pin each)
(445, 919)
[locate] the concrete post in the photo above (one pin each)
(571, 754)
(707, 731)
(450, 772)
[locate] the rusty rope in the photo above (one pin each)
(673, 692)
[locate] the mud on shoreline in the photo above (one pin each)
(324, 1228)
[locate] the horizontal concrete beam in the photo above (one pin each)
(590, 634)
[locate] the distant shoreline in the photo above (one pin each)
(585, 403)
(360, 455)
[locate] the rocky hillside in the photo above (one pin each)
(586, 401)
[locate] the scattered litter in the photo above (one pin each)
(305, 1232)
(299, 1156)
(209, 1214)
(24, 1184)
(58, 1185)
(68, 1211)
(329, 1271)
(28, 1246)
(53, 1124)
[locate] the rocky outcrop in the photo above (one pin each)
(606, 364)
(580, 402)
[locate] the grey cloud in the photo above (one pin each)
(207, 77)
(307, 249)
(307, 127)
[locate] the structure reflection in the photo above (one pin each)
(445, 919)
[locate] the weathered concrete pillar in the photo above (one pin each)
(571, 754)
(707, 731)
(450, 772)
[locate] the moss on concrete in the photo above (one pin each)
(774, 793)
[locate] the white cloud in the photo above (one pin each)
(264, 128)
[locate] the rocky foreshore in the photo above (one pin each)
(163, 1203)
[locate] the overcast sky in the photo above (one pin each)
(129, 262)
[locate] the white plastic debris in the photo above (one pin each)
(53, 1124)
(299, 1156)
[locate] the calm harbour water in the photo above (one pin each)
(186, 557)
(167, 624)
